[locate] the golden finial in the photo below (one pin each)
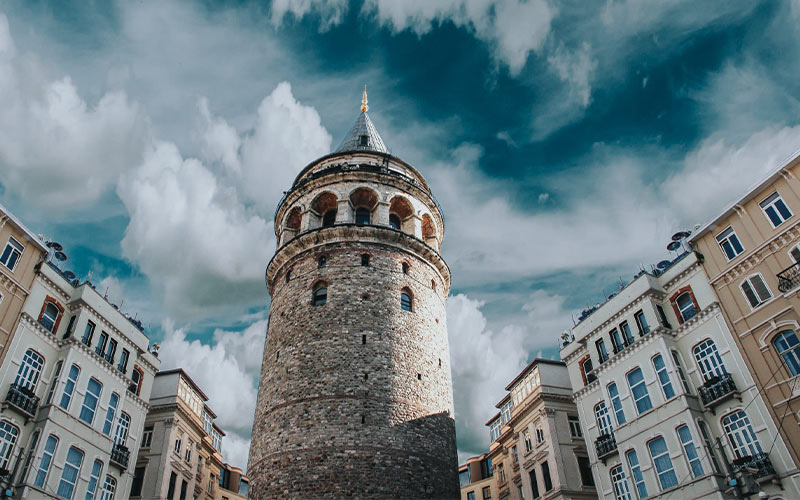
(364, 106)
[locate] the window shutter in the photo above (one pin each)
(748, 292)
(760, 288)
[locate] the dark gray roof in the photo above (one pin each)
(363, 137)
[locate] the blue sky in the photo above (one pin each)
(566, 142)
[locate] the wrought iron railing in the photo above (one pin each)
(717, 389)
(120, 456)
(22, 399)
(789, 278)
(759, 465)
(605, 445)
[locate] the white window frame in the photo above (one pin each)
(109, 488)
(94, 479)
(622, 490)
(69, 387)
(646, 395)
(665, 473)
(16, 247)
(603, 419)
(65, 481)
(639, 484)
(676, 358)
(88, 405)
(723, 237)
(54, 383)
(29, 370)
(690, 450)
(754, 291)
(662, 374)
(147, 437)
(45, 462)
(121, 432)
(574, 426)
(771, 202)
(616, 404)
(50, 320)
(741, 435)
(709, 360)
(111, 413)
(691, 305)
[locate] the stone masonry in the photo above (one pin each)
(355, 398)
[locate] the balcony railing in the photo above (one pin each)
(23, 399)
(717, 390)
(606, 445)
(120, 455)
(759, 465)
(789, 278)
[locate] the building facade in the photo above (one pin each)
(181, 452)
(668, 405)
(355, 388)
(751, 254)
(76, 380)
(476, 478)
(22, 251)
(537, 448)
(233, 484)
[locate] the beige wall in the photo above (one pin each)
(766, 252)
(15, 284)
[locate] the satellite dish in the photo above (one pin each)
(60, 256)
(55, 246)
(681, 235)
(69, 275)
(663, 264)
(673, 246)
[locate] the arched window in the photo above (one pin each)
(788, 348)
(29, 370)
(8, 437)
(293, 219)
(362, 216)
(621, 489)
(111, 413)
(406, 300)
(616, 403)
(49, 316)
(400, 209)
(137, 377)
(90, 399)
(121, 433)
(320, 295)
(741, 435)
(69, 387)
(46, 461)
(70, 474)
(709, 360)
(322, 261)
(603, 418)
(329, 218)
(394, 221)
(686, 306)
(109, 487)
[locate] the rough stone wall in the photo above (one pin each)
(355, 399)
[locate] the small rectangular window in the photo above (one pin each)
(639, 390)
(11, 253)
(677, 359)
(729, 243)
(586, 471)
(548, 482)
(602, 353)
(616, 340)
(365, 260)
(663, 316)
(147, 437)
(574, 427)
(641, 323)
(88, 332)
(663, 376)
(534, 484)
(101, 344)
(755, 290)
(616, 403)
(138, 480)
(775, 209)
(627, 336)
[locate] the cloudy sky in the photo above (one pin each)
(566, 141)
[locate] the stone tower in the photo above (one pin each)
(355, 398)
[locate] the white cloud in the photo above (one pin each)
(227, 373)
(58, 151)
(331, 11)
(200, 247)
(543, 197)
(575, 68)
(484, 361)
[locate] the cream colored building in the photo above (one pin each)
(181, 453)
(76, 380)
(233, 484)
(751, 253)
(668, 405)
(537, 448)
(21, 251)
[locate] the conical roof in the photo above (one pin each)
(363, 136)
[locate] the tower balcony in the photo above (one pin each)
(606, 446)
(23, 400)
(717, 390)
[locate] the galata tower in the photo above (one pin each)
(355, 398)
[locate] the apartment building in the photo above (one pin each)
(537, 448)
(76, 380)
(22, 250)
(666, 400)
(752, 258)
(181, 452)
(233, 484)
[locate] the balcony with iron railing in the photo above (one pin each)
(606, 446)
(789, 278)
(23, 399)
(759, 465)
(717, 390)
(120, 456)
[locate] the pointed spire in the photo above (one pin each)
(364, 107)
(363, 136)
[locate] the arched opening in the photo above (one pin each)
(325, 205)
(364, 201)
(405, 267)
(406, 300)
(320, 295)
(428, 228)
(400, 209)
(293, 219)
(322, 261)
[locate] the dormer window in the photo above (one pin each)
(11, 253)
